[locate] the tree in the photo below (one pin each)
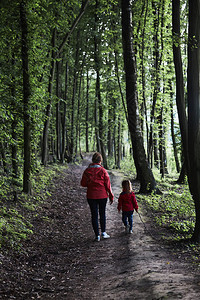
(147, 181)
(193, 85)
(26, 100)
(97, 59)
(180, 99)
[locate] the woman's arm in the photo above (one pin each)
(108, 186)
(84, 180)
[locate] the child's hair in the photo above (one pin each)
(126, 185)
(97, 158)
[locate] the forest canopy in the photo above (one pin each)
(67, 79)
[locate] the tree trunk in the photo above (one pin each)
(14, 126)
(156, 12)
(119, 83)
(58, 116)
(161, 142)
(96, 125)
(193, 83)
(87, 116)
(155, 156)
(48, 108)
(173, 134)
(98, 91)
(183, 174)
(3, 155)
(72, 136)
(26, 101)
(78, 127)
(63, 118)
(180, 102)
(110, 125)
(73, 105)
(119, 154)
(147, 181)
(144, 106)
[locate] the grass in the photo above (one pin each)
(15, 214)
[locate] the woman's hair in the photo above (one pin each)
(97, 158)
(126, 186)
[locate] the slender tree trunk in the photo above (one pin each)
(72, 137)
(26, 100)
(174, 139)
(119, 82)
(144, 106)
(96, 125)
(183, 174)
(156, 87)
(119, 143)
(161, 141)
(78, 128)
(63, 118)
(115, 131)
(73, 105)
(98, 91)
(58, 116)
(110, 125)
(87, 116)
(147, 181)
(14, 126)
(110, 100)
(180, 101)
(48, 108)
(3, 155)
(155, 147)
(193, 84)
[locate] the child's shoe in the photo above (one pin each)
(105, 235)
(126, 229)
(97, 238)
(130, 231)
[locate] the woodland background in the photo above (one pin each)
(121, 78)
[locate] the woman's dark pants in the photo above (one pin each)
(98, 208)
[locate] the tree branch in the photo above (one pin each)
(67, 36)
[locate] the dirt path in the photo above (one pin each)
(61, 260)
(141, 268)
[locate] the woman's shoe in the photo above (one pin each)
(105, 235)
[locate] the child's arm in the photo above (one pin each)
(119, 206)
(135, 204)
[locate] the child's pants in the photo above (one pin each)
(98, 205)
(128, 215)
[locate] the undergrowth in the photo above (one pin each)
(16, 207)
(174, 209)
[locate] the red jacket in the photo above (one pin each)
(127, 202)
(97, 181)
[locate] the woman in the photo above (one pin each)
(97, 181)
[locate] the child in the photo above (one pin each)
(127, 202)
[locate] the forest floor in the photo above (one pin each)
(62, 261)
